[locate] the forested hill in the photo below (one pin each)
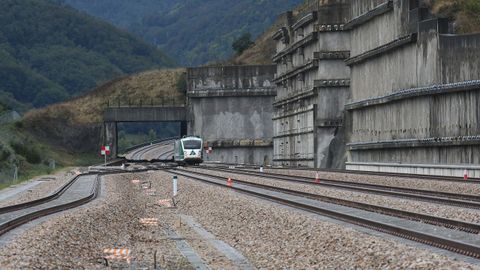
(49, 52)
(193, 32)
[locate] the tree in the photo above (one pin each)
(242, 43)
(152, 135)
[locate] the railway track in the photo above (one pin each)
(80, 190)
(453, 199)
(447, 223)
(400, 175)
(464, 242)
(141, 153)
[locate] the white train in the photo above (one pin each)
(189, 150)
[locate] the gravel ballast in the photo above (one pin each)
(270, 236)
(275, 237)
(48, 185)
(451, 212)
(417, 183)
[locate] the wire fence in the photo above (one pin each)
(147, 102)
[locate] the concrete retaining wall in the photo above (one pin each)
(232, 103)
(413, 100)
(312, 87)
(423, 169)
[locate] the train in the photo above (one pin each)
(188, 150)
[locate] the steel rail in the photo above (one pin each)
(433, 220)
(15, 222)
(43, 200)
(138, 154)
(471, 180)
(463, 200)
(432, 240)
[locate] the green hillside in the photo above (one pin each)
(49, 53)
(193, 32)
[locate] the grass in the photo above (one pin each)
(19, 145)
(146, 87)
(466, 13)
(37, 139)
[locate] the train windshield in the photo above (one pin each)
(192, 144)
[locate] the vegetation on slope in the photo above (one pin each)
(193, 32)
(32, 156)
(49, 53)
(466, 13)
(70, 132)
(264, 48)
(76, 124)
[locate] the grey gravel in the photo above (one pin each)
(48, 185)
(275, 237)
(451, 212)
(418, 183)
(268, 235)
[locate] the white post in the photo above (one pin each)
(175, 186)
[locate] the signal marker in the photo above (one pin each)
(317, 178)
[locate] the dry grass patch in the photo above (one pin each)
(88, 109)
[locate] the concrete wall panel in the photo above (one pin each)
(233, 117)
(419, 118)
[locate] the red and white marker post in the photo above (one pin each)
(465, 175)
(105, 151)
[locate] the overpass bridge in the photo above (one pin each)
(114, 115)
(230, 107)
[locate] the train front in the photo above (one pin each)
(192, 150)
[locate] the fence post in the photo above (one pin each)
(15, 173)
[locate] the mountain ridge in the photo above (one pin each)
(194, 32)
(49, 53)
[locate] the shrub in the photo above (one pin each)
(30, 153)
(242, 43)
(4, 153)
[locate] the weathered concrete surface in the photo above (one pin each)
(404, 107)
(428, 169)
(232, 103)
(313, 86)
(232, 118)
(229, 77)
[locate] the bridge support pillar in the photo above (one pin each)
(111, 137)
(184, 129)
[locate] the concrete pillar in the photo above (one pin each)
(111, 137)
(184, 129)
